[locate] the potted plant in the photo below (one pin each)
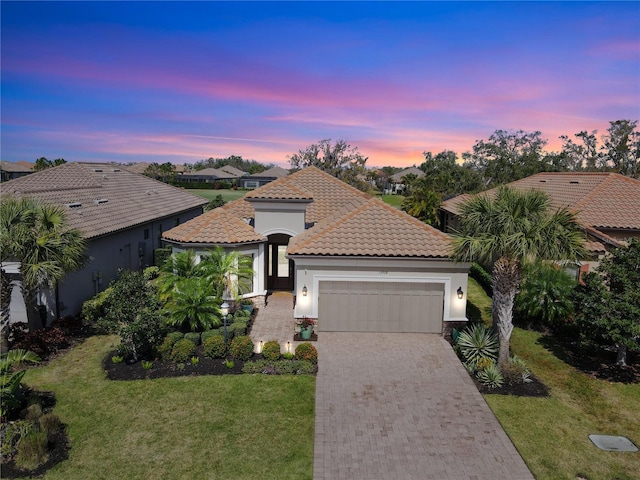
(247, 304)
(306, 327)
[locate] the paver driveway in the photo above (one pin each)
(401, 406)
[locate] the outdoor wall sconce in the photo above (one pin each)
(460, 293)
(304, 291)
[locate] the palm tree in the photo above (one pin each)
(37, 235)
(192, 303)
(175, 270)
(423, 202)
(512, 229)
(229, 272)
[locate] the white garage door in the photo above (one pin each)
(380, 307)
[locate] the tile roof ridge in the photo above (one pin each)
(328, 176)
(404, 215)
(610, 177)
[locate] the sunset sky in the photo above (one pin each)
(182, 82)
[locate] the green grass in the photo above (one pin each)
(393, 200)
(552, 433)
(228, 195)
(214, 427)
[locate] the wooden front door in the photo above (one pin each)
(279, 268)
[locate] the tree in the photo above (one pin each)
(444, 175)
(131, 310)
(513, 229)
(340, 160)
(622, 148)
(193, 304)
(507, 156)
(230, 273)
(43, 163)
(164, 172)
(37, 235)
(607, 304)
(422, 203)
(584, 155)
(216, 202)
(545, 294)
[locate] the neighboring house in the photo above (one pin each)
(396, 182)
(352, 261)
(121, 214)
(259, 179)
(10, 170)
(607, 206)
(208, 175)
(233, 171)
(139, 167)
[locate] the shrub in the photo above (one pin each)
(13, 432)
(93, 309)
(182, 350)
(241, 315)
(484, 279)
(229, 363)
(195, 360)
(175, 336)
(50, 424)
(164, 350)
(43, 342)
(476, 342)
(491, 377)
(516, 372)
(306, 351)
(32, 450)
(279, 367)
(151, 273)
(238, 329)
(241, 347)
(147, 364)
(483, 363)
(194, 337)
(271, 350)
(288, 356)
(117, 359)
(210, 333)
(214, 347)
(33, 413)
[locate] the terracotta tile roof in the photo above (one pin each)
(139, 167)
(601, 200)
(14, 167)
(103, 198)
(374, 229)
(407, 171)
(211, 172)
(218, 227)
(347, 221)
(275, 172)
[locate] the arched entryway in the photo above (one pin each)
(278, 268)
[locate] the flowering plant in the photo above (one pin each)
(306, 322)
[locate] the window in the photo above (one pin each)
(146, 234)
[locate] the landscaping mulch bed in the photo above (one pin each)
(535, 388)
(160, 369)
(58, 452)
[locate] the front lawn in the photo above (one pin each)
(227, 195)
(552, 433)
(214, 427)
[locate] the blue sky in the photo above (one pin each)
(181, 82)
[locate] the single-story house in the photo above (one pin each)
(257, 180)
(121, 214)
(396, 182)
(11, 170)
(351, 261)
(233, 171)
(208, 175)
(607, 206)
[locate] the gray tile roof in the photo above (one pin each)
(103, 198)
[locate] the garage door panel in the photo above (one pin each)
(380, 307)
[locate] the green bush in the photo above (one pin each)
(183, 350)
(33, 413)
(238, 329)
(306, 351)
(241, 315)
(175, 336)
(164, 350)
(194, 337)
(210, 333)
(484, 279)
(93, 309)
(241, 347)
(279, 367)
(160, 255)
(271, 350)
(32, 450)
(214, 347)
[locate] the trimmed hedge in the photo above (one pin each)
(483, 278)
(214, 347)
(175, 336)
(271, 350)
(194, 337)
(210, 333)
(306, 351)
(279, 367)
(241, 347)
(183, 350)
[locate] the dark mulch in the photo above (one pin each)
(165, 369)
(535, 388)
(58, 445)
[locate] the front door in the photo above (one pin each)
(279, 268)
